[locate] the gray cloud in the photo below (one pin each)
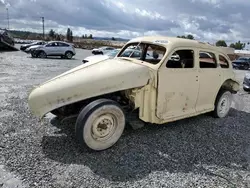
(206, 19)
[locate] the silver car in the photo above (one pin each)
(55, 48)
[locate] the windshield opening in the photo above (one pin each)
(151, 53)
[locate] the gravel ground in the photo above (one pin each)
(195, 152)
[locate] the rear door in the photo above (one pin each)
(209, 80)
(62, 48)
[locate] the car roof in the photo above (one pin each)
(57, 42)
(165, 41)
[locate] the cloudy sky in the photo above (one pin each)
(207, 20)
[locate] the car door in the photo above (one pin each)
(209, 80)
(178, 85)
(50, 49)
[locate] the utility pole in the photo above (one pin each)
(43, 26)
(8, 18)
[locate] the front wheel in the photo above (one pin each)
(42, 54)
(223, 104)
(100, 124)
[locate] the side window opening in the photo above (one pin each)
(223, 62)
(181, 59)
(207, 60)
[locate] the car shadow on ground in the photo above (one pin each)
(52, 58)
(180, 147)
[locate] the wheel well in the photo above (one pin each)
(69, 52)
(230, 85)
(39, 51)
(76, 107)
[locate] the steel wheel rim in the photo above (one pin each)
(103, 127)
(224, 105)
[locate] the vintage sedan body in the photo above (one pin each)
(178, 82)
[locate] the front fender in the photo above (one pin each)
(85, 82)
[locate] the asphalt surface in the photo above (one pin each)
(197, 152)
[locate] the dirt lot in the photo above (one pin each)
(196, 152)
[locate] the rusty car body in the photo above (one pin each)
(178, 82)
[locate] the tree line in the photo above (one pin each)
(69, 35)
(237, 45)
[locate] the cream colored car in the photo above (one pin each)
(182, 78)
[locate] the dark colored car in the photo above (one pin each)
(246, 82)
(242, 63)
(6, 37)
(25, 46)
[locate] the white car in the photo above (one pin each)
(102, 50)
(97, 58)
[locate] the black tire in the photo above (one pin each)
(85, 124)
(42, 54)
(246, 90)
(69, 55)
(223, 96)
(246, 67)
(33, 54)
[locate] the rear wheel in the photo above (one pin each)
(100, 124)
(68, 55)
(223, 104)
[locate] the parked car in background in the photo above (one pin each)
(156, 90)
(25, 46)
(95, 58)
(246, 82)
(102, 50)
(32, 48)
(55, 48)
(242, 63)
(109, 55)
(6, 37)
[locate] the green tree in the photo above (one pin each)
(221, 43)
(190, 37)
(186, 37)
(52, 33)
(58, 37)
(68, 34)
(238, 45)
(113, 38)
(90, 36)
(71, 36)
